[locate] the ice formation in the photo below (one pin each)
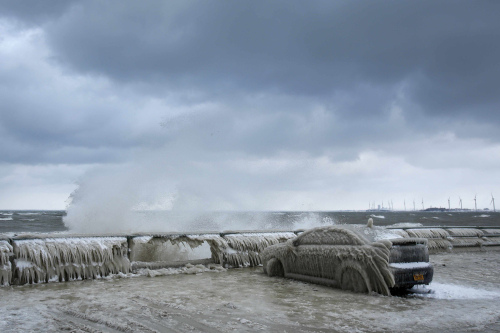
(437, 237)
(231, 249)
(367, 264)
(353, 263)
(491, 232)
(466, 242)
(187, 269)
(401, 233)
(61, 259)
(464, 232)
(428, 233)
(64, 259)
(244, 249)
(5, 265)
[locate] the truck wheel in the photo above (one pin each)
(275, 268)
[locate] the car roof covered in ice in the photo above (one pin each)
(366, 234)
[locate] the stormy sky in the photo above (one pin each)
(249, 105)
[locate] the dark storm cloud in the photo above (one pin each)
(352, 60)
(445, 52)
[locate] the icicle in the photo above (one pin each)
(466, 242)
(5, 265)
(491, 241)
(64, 259)
(491, 232)
(428, 233)
(256, 241)
(439, 244)
(464, 232)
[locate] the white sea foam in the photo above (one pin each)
(452, 291)
(482, 215)
(5, 218)
(378, 216)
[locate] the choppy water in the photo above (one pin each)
(52, 221)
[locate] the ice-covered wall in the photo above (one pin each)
(64, 259)
(446, 239)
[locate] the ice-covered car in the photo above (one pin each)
(351, 257)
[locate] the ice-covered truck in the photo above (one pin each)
(352, 257)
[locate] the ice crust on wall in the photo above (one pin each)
(240, 250)
(428, 233)
(244, 249)
(446, 239)
(64, 259)
(465, 232)
(439, 244)
(488, 232)
(231, 250)
(466, 242)
(5, 265)
(437, 237)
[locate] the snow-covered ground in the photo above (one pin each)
(465, 296)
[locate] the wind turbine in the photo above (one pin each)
(422, 203)
(475, 202)
(460, 203)
(414, 204)
(449, 203)
(493, 202)
(404, 202)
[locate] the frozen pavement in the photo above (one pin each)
(464, 297)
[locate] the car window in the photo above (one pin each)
(329, 237)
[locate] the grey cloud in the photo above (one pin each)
(446, 50)
(351, 59)
(34, 12)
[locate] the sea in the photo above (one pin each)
(50, 221)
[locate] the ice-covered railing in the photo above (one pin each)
(244, 248)
(65, 259)
(448, 238)
(230, 249)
